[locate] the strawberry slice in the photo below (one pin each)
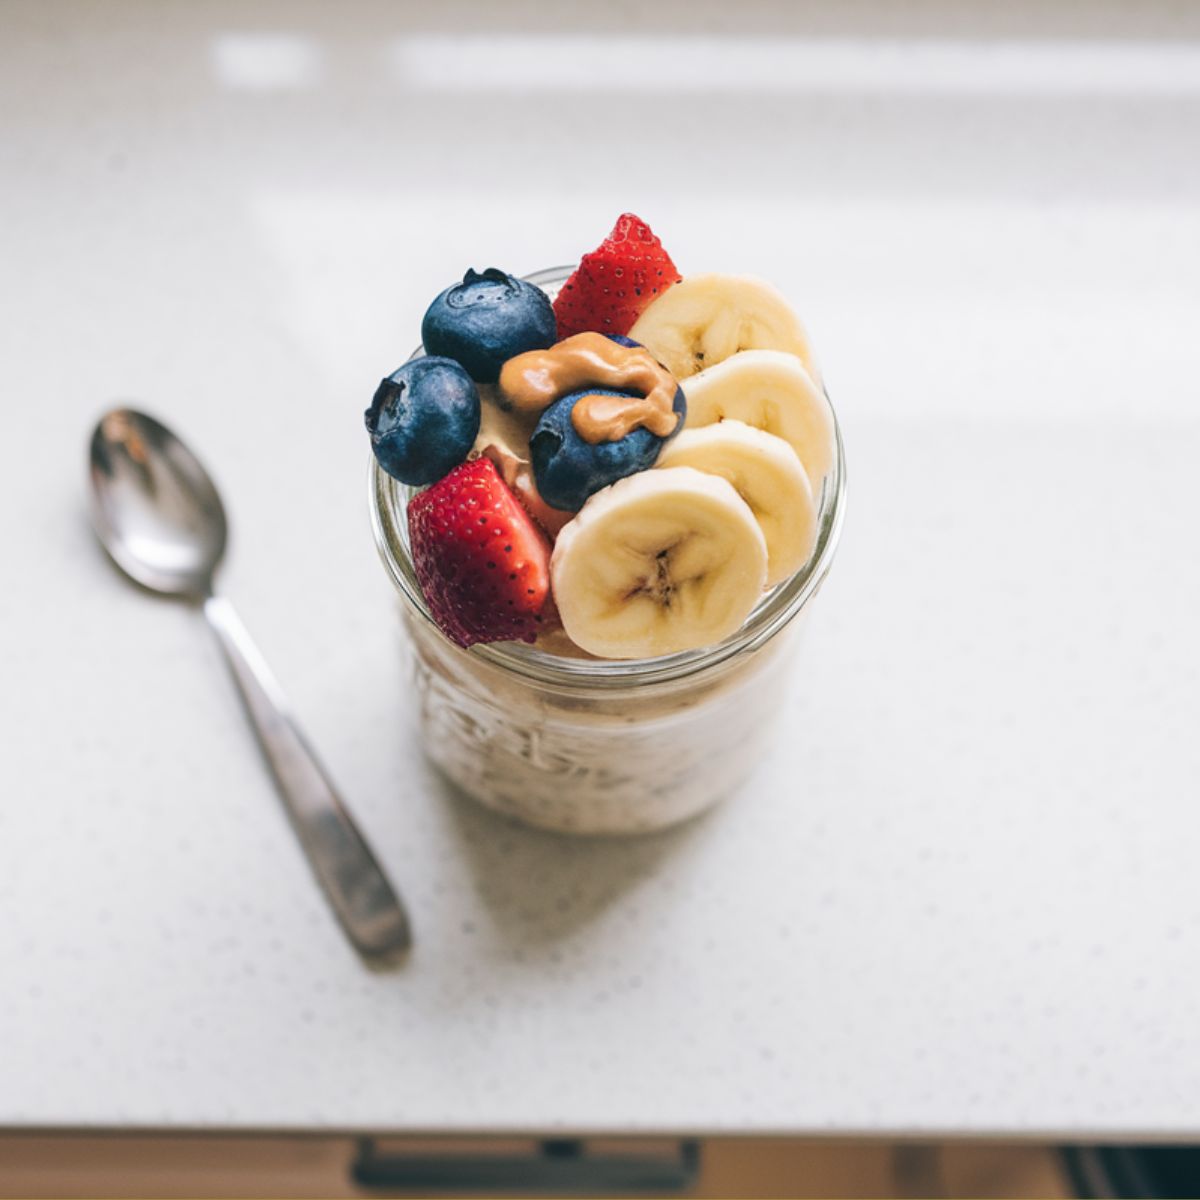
(611, 286)
(482, 562)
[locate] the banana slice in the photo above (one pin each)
(504, 438)
(705, 319)
(771, 391)
(766, 473)
(658, 562)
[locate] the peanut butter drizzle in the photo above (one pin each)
(534, 380)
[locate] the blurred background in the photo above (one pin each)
(956, 934)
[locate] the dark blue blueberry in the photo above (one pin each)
(568, 469)
(486, 320)
(423, 420)
(622, 340)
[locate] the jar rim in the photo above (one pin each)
(388, 504)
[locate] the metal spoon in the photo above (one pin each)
(158, 514)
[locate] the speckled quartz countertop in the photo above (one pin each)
(961, 895)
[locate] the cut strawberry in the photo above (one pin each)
(482, 562)
(613, 285)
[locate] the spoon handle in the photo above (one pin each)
(363, 899)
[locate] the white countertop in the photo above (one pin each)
(961, 896)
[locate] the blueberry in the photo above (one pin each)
(423, 420)
(486, 320)
(568, 469)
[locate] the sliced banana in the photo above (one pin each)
(504, 438)
(499, 426)
(705, 319)
(771, 391)
(766, 473)
(658, 562)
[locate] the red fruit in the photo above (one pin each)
(482, 562)
(614, 284)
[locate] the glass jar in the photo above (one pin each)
(590, 746)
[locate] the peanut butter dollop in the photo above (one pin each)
(532, 381)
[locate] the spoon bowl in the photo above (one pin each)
(155, 509)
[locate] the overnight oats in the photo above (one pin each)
(606, 496)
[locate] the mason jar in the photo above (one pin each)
(582, 745)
